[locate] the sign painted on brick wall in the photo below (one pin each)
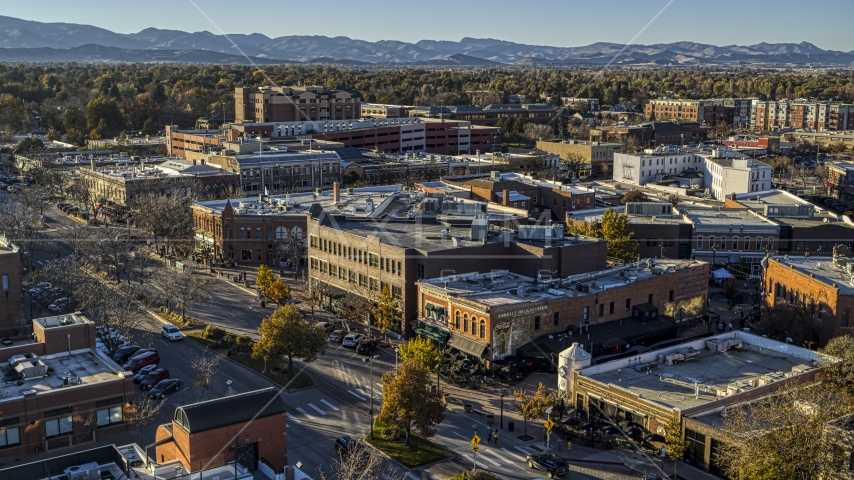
(523, 312)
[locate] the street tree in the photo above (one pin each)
(145, 411)
(796, 323)
(361, 462)
(264, 279)
(533, 405)
(386, 311)
(575, 163)
(422, 350)
(674, 440)
(839, 371)
(278, 292)
(287, 334)
(785, 435)
(292, 249)
(311, 297)
(408, 402)
(188, 288)
(205, 366)
(22, 225)
(614, 228)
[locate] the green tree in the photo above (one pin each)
(264, 279)
(730, 290)
(29, 145)
(104, 116)
(408, 402)
(287, 334)
(149, 127)
(386, 311)
(839, 371)
(614, 229)
(423, 350)
(674, 440)
(12, 115)
(533, 406)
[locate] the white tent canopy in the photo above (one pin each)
(721, 273)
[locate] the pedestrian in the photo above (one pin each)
(730, 327)
(559, 444)
(721, 327)
(495, 436)
(488, 434)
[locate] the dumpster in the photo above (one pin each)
(511, 426)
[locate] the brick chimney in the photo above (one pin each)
(336, 192)
(233, 135)
(505, 197)
(733, 196)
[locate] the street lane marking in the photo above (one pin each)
(40, 263)
(317, 409)
(526, 452)
(478, 463)
(333, 407)
(292, 418)
(363, 392)
(511, 453)
(356, 395)
(457, 434)
(300, 410)
(413, 477)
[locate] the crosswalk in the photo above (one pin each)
(489, 456)
(312, 411)
(358, 386)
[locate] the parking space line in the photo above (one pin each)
(472, 460)
(300, 410)
(292, 418)
(333, 407)
(317, 409)
(357, 396)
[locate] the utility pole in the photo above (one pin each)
(371, 390)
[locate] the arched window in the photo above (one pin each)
(228, 232)
(466, 322)
(457, 320)
(297, 233)
(230, 252)
(482, 329)
(474, 325)
(281, 233)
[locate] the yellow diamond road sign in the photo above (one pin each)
(549, 424)
(475, 440)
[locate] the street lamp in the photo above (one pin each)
(396, 350)
(502, 410)
(371, 390)
(679, 325)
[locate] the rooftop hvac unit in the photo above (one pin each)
(722, 345)
(28, 369)
(87, 471)
(798, 369)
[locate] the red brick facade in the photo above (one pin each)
(11, 291)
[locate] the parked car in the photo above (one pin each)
(352, 340)
(163, 387)
(143, 372)
(153, 378)
(171, 332)
(139, 361)
(366, 347)
(61, 305)
(345, 447)
(337, 336)
(329, 327)
(125, 353)
(553, 465)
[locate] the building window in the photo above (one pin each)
(246, 255)
(556, 319)
(670, 297)
(611, 308)
(466, 323)
(770, 244)
(628, 304)
(420, 269)
(537, 322)
(747, 243)
(59, 426)
(650, 299)
(482, 329)
(396, 292)
(259, 255)
(109, 416)
(601, 309)
(735, 243)
(844, 319)
(5, 282)
(457, 320)
(10, 437)
(586, 313)
(699, 242)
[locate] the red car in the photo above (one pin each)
(139, 361)
(153, 378)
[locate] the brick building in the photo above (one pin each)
(597, 154)
(730, 236)
(824, 284)
(772, 115)
(254, 423)
(401, 243)
(11, 288)
(504, 313)
(732, 111)
(490, 114)
(66, 392)
(290, 104)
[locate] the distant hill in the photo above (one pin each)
(25, 40)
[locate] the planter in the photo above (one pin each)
(467, 407)
(490, 418)
(447, 397)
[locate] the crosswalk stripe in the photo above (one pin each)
(300, 410)
(526, 452)
(363, 392)
(478, 463)
(493, 452)
(356, 395)
(490, 460)
(378, 392)
(379, 385)
(317, 409)
(333, 407)
(292, 418)
(511, 453)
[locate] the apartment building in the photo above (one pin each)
(497, 314)
(363, 256)
(599, 155)
(375, 110)
(710, 112)
(841, 177)
(62, 390)
(293, 104)
(11, 284)
(771, 115)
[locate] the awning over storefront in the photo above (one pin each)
(468, 345)
(431, 332)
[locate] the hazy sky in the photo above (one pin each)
(826, 23)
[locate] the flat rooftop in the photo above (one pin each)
(351, 201)
(826, 269)
(86, 366)
(707, 376)
(504, 288)
(736, 218)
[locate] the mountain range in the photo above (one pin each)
(31, 41)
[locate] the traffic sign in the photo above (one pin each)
(549, 425)
(475, 440)
(474, 449)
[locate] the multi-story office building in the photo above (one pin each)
(278, 170)
(709, 111)
(490, 114)
(295, 104)
(375, 110)
(771, 115)
(597, 154)
(723, 172)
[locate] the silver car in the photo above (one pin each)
(352, 340)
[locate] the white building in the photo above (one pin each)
(724, 171)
